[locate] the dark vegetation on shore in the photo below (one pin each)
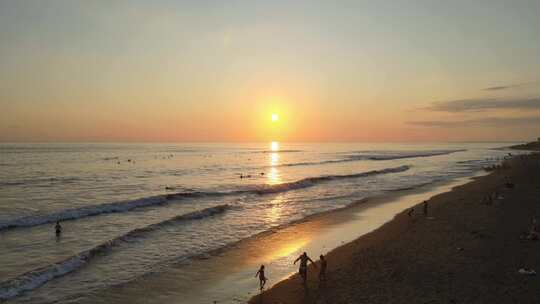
(532, 146)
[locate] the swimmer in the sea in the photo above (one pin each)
(58, 228)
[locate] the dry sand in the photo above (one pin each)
(465, 251)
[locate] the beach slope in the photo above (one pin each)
(466, 250)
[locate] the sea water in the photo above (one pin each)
(133, 210)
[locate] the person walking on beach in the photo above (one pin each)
(322, 272)
(58, 228)
(303, 258)
(425, 208)
(262, 278)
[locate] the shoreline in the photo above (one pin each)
(227, 277)
(448, 257)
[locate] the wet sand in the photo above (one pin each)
(464, 251)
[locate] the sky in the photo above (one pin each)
(190, 71)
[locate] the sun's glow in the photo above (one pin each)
(275, 117)
(274, 176)
(290, 246)
(274, 159)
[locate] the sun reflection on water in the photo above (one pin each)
(287, 248)
(273, 176)
(275, 212)
(274, 159)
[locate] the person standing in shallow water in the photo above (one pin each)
(58, 228)
(262, 277)
(303, 258)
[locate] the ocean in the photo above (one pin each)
(134, 211)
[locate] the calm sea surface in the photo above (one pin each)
(129, 210)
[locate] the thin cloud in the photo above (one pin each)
(498, 88)
(475, 105)
(508, 86)
(487, 121)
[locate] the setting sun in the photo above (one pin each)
(275, 117)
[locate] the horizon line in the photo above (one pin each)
(256, 141)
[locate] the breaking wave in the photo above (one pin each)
(374, 156)
(76, 213)
(311, 181)
(401, 155)
(35, 278)
(41, 181)
(124, 206)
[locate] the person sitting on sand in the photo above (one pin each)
(58, 228)
(322, 272)
(410, 212)
(534, 233)
(262, 278)
(509, 183)
(303, 258)
(487, 200)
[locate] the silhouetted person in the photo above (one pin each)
(509, 183)
(262, 278)
(303, 258)
(425, 208)
(488, 200)
(58, 228)
(322, 272)
(410, 212)
(534, 231)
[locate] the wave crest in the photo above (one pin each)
(311, 181)
(35, 278)
(375, 157)
(76, 213)
(124, 206)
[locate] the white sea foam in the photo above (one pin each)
(124, 206)
(311, 181)
(35, 278)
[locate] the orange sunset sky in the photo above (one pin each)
(160, 71)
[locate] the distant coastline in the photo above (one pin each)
(533, 146)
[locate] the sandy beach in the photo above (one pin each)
(467, 250)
